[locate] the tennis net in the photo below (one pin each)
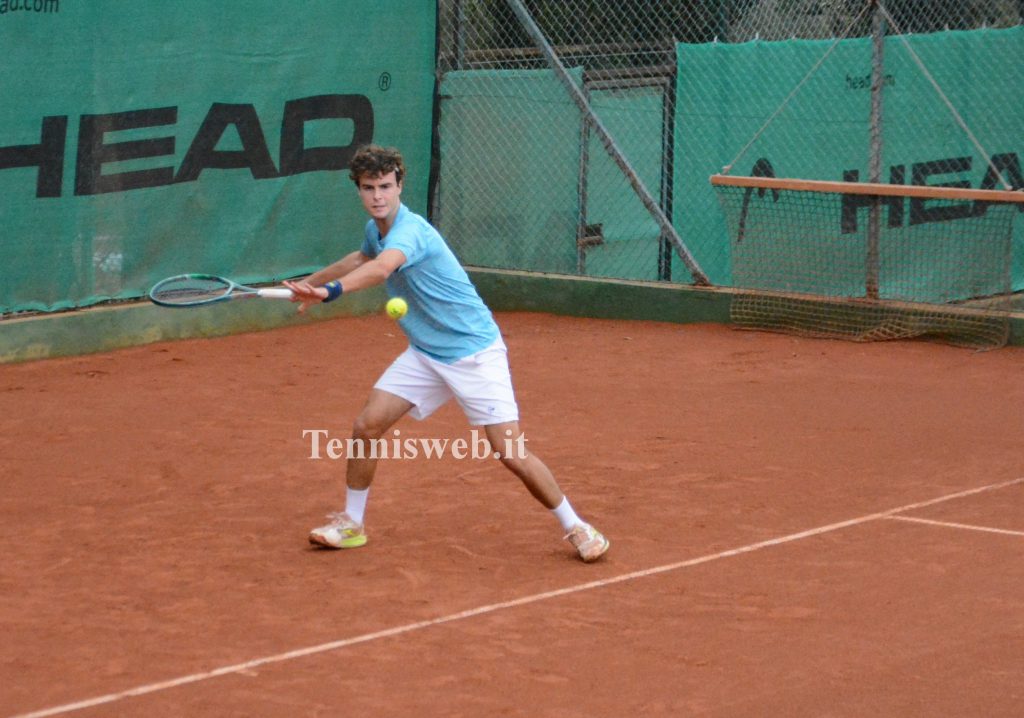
(870, 261)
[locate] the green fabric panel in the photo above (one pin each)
(634, 117)
(726, 93)
(980, 73)
(788, 241)
(518, 132)
(113, 56)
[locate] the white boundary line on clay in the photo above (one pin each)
(951, 525)
(493, 607)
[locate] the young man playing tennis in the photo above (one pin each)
(455, 350)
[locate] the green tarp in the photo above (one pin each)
(140, 140)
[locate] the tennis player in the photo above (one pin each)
(455, 350)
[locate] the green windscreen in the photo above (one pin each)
(145, 139)
(762, 102)
(509, 187)
(629, 248)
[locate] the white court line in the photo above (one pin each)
(493, 607)
(949, 524)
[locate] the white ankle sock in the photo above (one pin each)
(565, 515)
(355, 503)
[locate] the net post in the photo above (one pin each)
(590, 117)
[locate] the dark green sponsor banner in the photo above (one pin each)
(140, 140)
(820, 129)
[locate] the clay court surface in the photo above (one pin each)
(799, 528)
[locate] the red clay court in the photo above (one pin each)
(799, 528)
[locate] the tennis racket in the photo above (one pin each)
(196, 290)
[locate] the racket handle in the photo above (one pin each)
(275, 293)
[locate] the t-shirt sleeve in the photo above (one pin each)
(412, 243)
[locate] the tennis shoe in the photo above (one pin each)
(588, 542)
(342, 532)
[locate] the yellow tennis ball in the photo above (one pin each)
(396, 307)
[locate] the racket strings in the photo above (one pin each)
(190, 290)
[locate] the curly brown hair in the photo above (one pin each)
(376, 161)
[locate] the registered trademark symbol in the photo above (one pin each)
(384, 81)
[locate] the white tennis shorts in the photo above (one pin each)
(481, 383)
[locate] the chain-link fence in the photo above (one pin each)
(577, 136)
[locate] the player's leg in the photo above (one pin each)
(409, 385)
(509, 443)
(383, 409)
(380, 413)
(482, 384)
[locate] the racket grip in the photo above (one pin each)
(275, 293)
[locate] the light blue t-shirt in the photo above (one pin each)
(446, 320)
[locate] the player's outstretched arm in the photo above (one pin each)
(374, 272)
(366, 274)
(338, 269)
(309, 291)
